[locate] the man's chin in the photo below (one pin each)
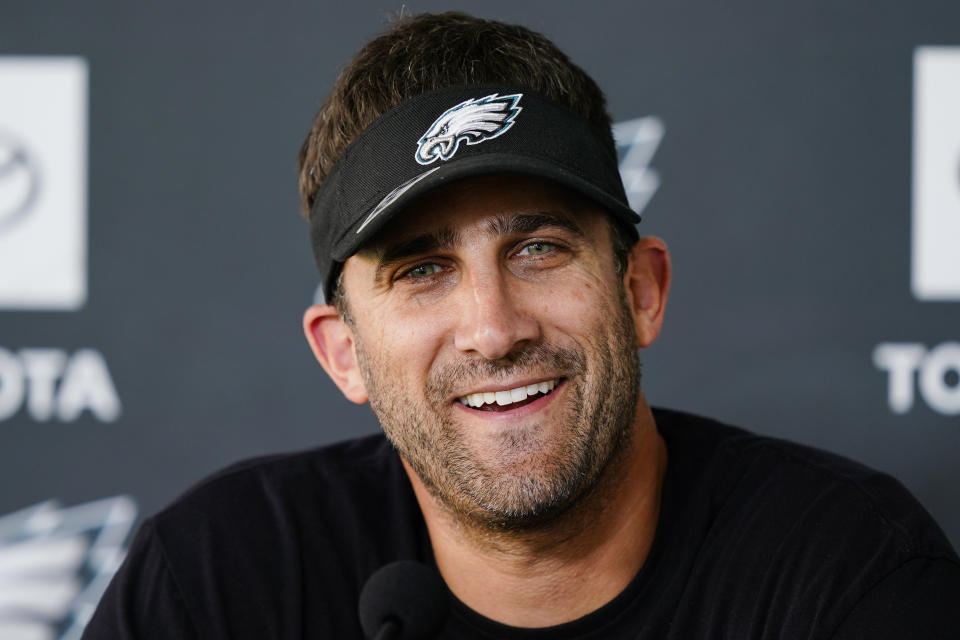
(514, 492)
(522, 512)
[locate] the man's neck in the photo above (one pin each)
(561, 572)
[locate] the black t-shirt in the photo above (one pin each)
(757, 538)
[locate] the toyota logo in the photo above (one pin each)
(19, 181)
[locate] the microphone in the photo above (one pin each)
(403, 600)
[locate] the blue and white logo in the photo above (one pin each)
(56, 562)
(637, 141)
(472, 121)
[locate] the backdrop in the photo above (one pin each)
(803, 163)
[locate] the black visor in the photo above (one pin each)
(450, 134)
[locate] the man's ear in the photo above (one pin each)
(647, 283)
(333, 345)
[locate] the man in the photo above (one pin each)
(488, 295)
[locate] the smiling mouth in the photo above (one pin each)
(509, 398)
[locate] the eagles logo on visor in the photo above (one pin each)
(471, 121)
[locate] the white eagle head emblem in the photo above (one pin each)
(471, 121)
(55, 564)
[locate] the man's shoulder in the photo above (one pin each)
(798, 489)
(768, 533)
(327, 479)
(326, 463)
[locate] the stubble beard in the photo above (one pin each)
(533, 474)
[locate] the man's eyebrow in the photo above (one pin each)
(440, 240)
(531, 222)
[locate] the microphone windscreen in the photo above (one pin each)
(410, 593)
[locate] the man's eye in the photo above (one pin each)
(423, 270)
(537, 248)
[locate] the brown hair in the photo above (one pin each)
(432, 51)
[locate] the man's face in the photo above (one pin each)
(497, 346)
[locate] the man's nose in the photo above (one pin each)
(494, 317)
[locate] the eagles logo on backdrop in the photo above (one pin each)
(472, 121)
(55, 564)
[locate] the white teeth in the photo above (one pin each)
(504, 398)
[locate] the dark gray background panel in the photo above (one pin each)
(785, 195)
